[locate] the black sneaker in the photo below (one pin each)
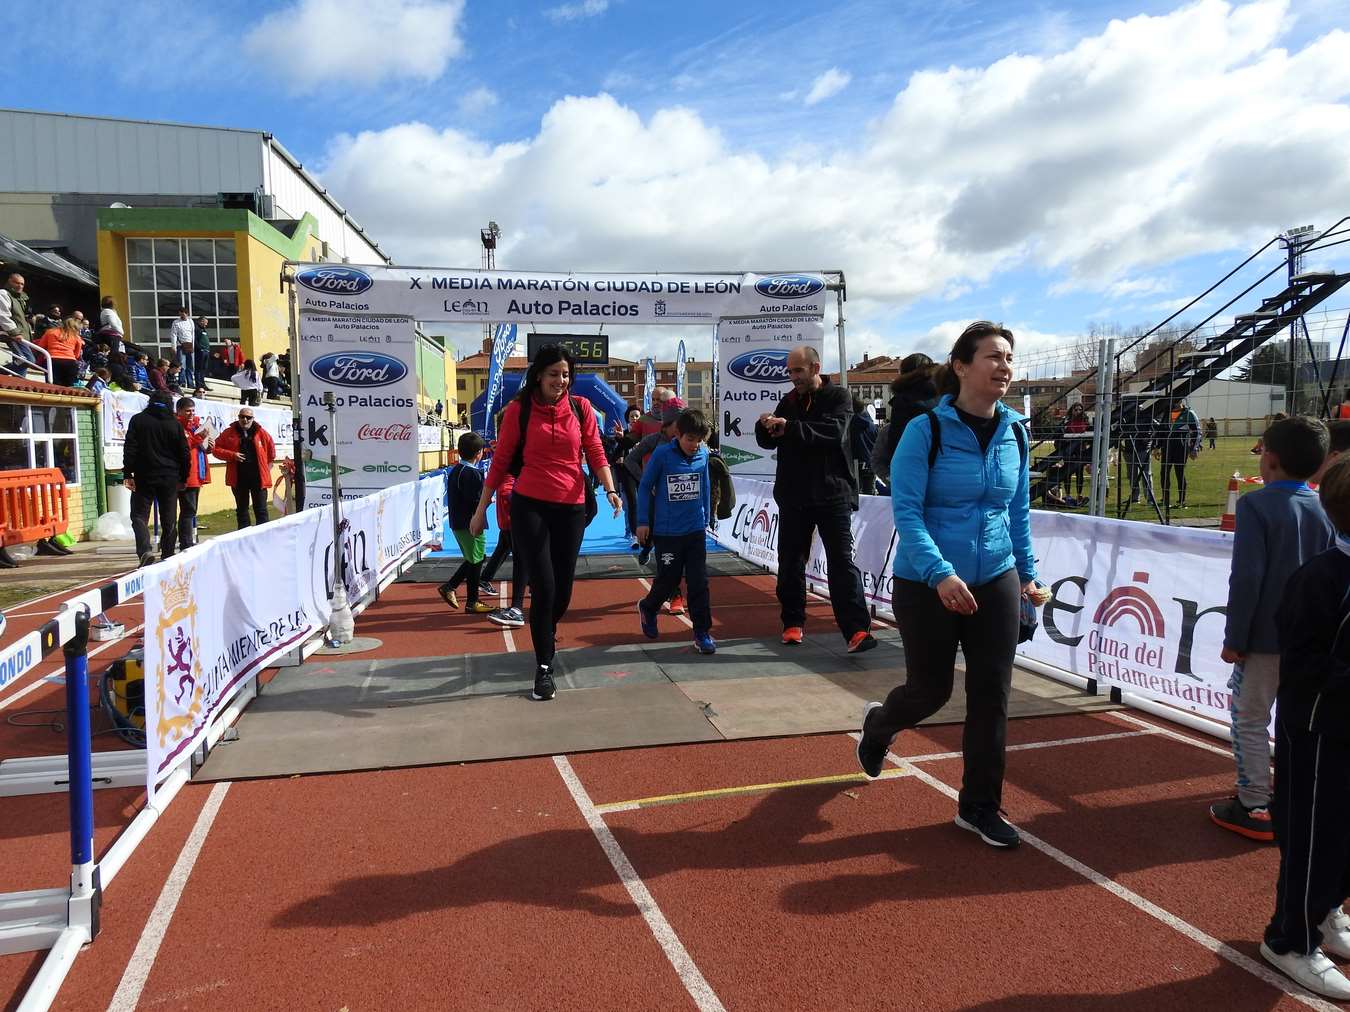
(544, 688)
(486, 589)
(644, 555)
(871, 753)
(988, 822)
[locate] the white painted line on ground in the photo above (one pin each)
(1168, 733)
(39, 678)
(647, 586)
(1224, 951)
(699, 989)
(506, 629)
(1028, 746)
(157, 926)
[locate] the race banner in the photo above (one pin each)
(118, 406)
(369, 364)
(752, 378)
(649, 385)
(503, 343)
(450, 295)
(680, 367)
(429, 438)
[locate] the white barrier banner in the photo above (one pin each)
(1141, 606)
(369, 364)
(752, 379)
(119, 405)
(219, 613)
(475, 296)
(429, 438)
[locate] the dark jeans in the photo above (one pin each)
(243, 494)
(683, 556)
(162, 492)
(187, 374)
(1167, 470)
(250, 397)
(795, 524)
(867, 480)
(273, 387)
(1312, 827)
(199, 361)
(547, 539)
(988, 640)
(65, 371)
(187, 518)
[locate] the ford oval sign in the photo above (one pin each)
(789, 286)
(335, 280)
(760, 366)
(358, 369)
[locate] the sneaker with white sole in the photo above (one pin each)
(513, 618)
(544, 688)
(1336, 934)
(1314, 971)
(988, 823)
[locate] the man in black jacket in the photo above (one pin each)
(814, 489)
(155, 467)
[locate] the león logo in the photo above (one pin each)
(1131, 603)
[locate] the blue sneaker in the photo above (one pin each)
(705, 643)
(648, 622)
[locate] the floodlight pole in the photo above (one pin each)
(341, 626)
(839, 292)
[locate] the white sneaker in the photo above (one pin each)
(1314, 971)
(1336, 933)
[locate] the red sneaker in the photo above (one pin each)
(677, 605)
(792, 635)
(860, 641)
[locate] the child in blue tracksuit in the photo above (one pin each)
(674, 504)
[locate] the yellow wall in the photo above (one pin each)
(264, 311)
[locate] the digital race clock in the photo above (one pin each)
(587, 349)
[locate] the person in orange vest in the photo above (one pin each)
(64, 344)
(199, 439)
(248, 452)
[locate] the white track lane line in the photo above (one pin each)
(1168, 733)
(157, 926)
(41, 679)
(699, 989)
(683, 618)
(506, 629)
(1224, 951)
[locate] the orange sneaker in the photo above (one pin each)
(792, 635)
(677, 605)
(860, 641)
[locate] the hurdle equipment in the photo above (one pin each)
(1229, 521)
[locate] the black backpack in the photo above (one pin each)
(724, 492)
(518, 459)
(935, 447)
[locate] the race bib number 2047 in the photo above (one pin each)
(681, 487)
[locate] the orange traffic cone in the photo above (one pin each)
(1229, 521)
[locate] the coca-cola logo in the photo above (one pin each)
(386, 433)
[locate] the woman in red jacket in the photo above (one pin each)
(548, 503)
(248, 453)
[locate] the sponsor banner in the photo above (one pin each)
(752, 379)
(368, 363)
(429, 438)
(503, 343)
(1141, 606)
(212, 622)
(680, 367)
(477, 296)
(118, 407)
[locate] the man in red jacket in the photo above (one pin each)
(198, 434)
(248, 452)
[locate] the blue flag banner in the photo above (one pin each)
(503, 343)
(680, 367)
(649, 386)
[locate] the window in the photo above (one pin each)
(164, 274)
(459, 384)
(39, 436)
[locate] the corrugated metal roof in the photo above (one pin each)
(13, 252)
(12, 384)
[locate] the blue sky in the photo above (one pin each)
(1048, 165)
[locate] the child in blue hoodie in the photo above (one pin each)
(673, 507)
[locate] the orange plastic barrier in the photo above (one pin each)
(33, 505)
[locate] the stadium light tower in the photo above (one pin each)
(489, 236)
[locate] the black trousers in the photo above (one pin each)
(683, 556)
(65, 371)
(518, 574)
(988, 639)
(243, 495)
(867, 480)
(164, 494)
(1310, 811)
(187, 517)
(498, 555)
(795, 525)
(470, 573)
(547, 539)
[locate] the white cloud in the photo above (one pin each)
(477, 102)
(827, 85)
(314, 43)
(1160, 138)
(576, 11)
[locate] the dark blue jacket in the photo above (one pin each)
(971, 515)
(463, 486)
(677, 490)
(1279, 528)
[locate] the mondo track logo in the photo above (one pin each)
(761, 366)
(358, 369)
(789, 286)
(335, 280)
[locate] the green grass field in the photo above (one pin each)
(1206, 482)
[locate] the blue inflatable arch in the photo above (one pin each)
(603, 397)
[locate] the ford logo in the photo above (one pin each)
(358, 369)
(760, 366)
(335, 280)
(789, 286)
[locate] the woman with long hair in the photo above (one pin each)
(543, 435)
(63, 343)
(959, 495)
(250, 386)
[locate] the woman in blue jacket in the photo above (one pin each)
(962, 566)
